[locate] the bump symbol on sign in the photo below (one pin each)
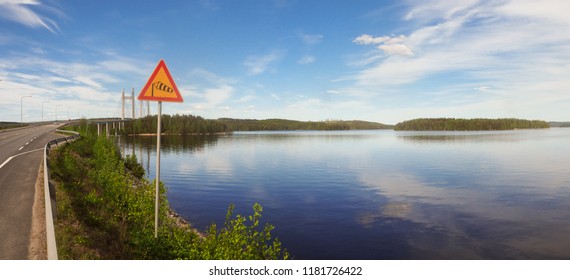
(161, 86)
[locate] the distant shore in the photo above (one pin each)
(450, 124)
(179, 134)
(196, 125)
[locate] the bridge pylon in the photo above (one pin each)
(132, 98)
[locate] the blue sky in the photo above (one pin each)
(384, 61)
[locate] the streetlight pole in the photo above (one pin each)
(56, 112)
(43, 110)
(22, 109)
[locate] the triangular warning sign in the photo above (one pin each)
(160, 86)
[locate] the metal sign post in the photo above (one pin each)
(157, 191)
(159, 87)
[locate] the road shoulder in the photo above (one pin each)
(38, 247)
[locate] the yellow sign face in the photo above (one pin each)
(160, 86)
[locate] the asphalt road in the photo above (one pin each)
(20, 158)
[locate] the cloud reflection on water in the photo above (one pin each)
(458, 196)
(484, 213)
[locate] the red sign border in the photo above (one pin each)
(160, 65)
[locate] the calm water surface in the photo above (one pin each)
(380, 194)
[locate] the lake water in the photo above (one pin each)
(380, 194)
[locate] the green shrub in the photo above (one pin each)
(135, 168)
(242, 238)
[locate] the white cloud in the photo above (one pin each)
(551, 10)
(88, 94)
(20, 11)
(308, 59)
(306, 103)
(210, 77)
(88, 89)
(482, 88)
(389, 45)
(246, 98)
(311, 39)
(366, 39)
(214, 97)
(516, 48)
(259, 64)
(88, 81)
(38, 50)
(428, 10)
(126, 66)
(210, 93)
(396, 49)
(250, 109)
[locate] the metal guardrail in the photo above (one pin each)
(49, 191)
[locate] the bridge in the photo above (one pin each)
(22, 209)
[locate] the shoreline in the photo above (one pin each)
(183, 223)
(179, 134)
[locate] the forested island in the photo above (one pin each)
(469, 124)
(190, 124)
(281, 124)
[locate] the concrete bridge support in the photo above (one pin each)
(111, 127)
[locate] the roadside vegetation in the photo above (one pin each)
(6, 125)
(469, 124)
(105, 210)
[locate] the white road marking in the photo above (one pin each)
(24, 153)
(20, 148)
(8, 160)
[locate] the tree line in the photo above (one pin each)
(470, 124)
(282, 124)
(176, 124)
(6, 125)
(190, 124)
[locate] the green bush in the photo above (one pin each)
(134, 167)
(242, 238)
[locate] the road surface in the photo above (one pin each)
(20, 158)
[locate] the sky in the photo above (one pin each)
(312, 60)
